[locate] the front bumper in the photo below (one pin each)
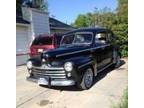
(51, 76)
(54, 82)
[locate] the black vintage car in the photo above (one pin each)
(82, 54)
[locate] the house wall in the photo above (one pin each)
(25, 33)
(22, 43)
(40, 22)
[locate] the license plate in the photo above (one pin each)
(43, 81)
(40, 50)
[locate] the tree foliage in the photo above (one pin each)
(117, 21)
(18, 5)
(38, 4)
(81, 21)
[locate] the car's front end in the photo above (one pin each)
(46, 74)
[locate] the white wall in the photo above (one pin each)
(22, 39)
(22, 43)
(40, 22)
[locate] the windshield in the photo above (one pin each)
(77, 39)
(42, 41)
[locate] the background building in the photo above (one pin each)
(30, 23)
(57, 26)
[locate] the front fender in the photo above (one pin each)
(79, 62)
(82, 63)
(36, 61)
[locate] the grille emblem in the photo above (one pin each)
(44, 66)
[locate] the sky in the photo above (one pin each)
(68, 10)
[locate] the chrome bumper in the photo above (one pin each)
(55, 82)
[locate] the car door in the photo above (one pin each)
(99, 49)
(104, 49)
(109, 48)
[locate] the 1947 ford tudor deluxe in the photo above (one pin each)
(82, 54)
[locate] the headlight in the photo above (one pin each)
(29, 64)
(68, 66)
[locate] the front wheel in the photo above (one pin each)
(87, 79)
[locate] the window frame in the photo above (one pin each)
(78, 33)
(110, 38)
(105, 32)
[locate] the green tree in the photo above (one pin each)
(117, 21)
(121, 29)
(81, 21)
(18, 5)
(122, 11)
(38, 4)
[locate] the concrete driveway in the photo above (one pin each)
(107, 90)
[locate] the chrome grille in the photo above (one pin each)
(51, 72)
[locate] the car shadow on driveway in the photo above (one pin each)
(99, 77)
(102, 74)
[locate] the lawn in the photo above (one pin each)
(124, 100)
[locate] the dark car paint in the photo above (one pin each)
(93, 55)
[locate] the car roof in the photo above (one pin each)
(87, 30)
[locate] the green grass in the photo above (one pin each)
(124, 101)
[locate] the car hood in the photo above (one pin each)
(63, 51)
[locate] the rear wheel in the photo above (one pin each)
(87, 79)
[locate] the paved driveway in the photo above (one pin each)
(108, 89)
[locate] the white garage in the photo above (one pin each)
(22, 44)
(29, 23)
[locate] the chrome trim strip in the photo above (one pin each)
(50, 74)
(105, 67)
(49, 68)
(101, 46)
(71, 53)
(82, 50)
(84, 64)
(46, 71)
(58, 77)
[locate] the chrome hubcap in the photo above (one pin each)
(88, 78)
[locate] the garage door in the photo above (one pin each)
(21, 45)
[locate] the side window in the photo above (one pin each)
(100, 38)
(67, 39)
